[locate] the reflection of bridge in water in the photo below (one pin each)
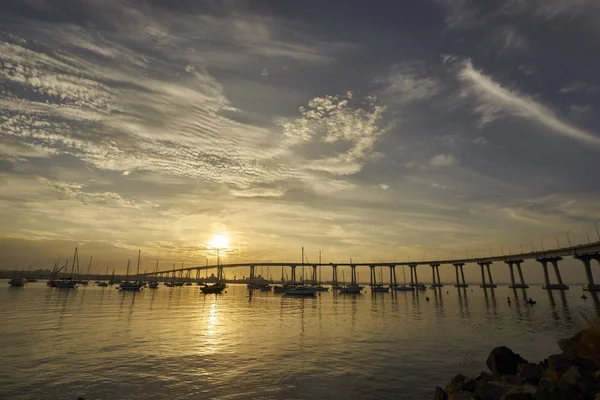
(586, 253)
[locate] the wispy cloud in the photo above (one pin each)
(443, 160)
(580, 87)
(494, 100)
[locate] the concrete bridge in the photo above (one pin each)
(586, 253)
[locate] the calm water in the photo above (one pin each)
(100, 343)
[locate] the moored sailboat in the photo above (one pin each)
(299, 289)
(219, 285)
(69, 283)
(132, 286)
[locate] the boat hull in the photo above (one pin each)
(17, 282)
(351, 289)
(213, 289)
(65, 285)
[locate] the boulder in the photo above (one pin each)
(584, 344)
(493, 390)
(530, 373)
(455, 384)
(503, 361)
(440, 394)
(463, 396)
(558, 364)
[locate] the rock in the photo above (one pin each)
(558, 364)
(440, 394)
(570, 378)
(530, 373)
(455, 384)
(522, 393)
(493, 390)
(463, 396)
(584, 344)
(503, 361)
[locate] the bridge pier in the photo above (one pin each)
(513, 284)
(251, 277)
(586, 259)
(353, 274)
(552, 286)
(414, 279)
(293, 274)
(486, 265)
(393, 282)
(460, 266)
(314, 274)
(334, 277)
(435, 271)
(373, 277)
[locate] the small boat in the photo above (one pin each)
(69, 283)
(83, 282)
(380, 288)
(169, 284)
(299, 290)
(278, 289)
(188, 284)
(219, 285)
(66, 283)
(153, 285)
(352, 288)
(420, 286)
(102, 284)
(265, 288)
(17, 282)
(133, 286)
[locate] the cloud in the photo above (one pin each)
(443, 160)
(342, 128)
(408, 82)
(494, 100)
(580, 87)
(480, 141)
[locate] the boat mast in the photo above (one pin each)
(137, 272)
(302, 280)
(320, 268)
(89, 266)
(73, 263)
(127, 276)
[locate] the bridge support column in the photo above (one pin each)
(513, 284)
(486, 265)
(414, 279)
(293, 274)
(251, 278)
(435, 272)
(393, 282)
(460, 266)
(314, 275)
(551, 286)
(372, 277)
(353, 274)
(334, 277)
(586, 259)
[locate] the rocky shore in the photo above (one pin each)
(572, 375)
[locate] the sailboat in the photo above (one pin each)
(378, 287)
(353, 287)
(300, 289)
(133, 286)
(219, 285)
(55, 270)
(405, 287)
(320, 287)
(69, 283)
(18, 282)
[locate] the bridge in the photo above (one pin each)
(586, 253)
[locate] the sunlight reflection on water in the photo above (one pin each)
(100, 343)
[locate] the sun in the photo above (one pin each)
(219, 242)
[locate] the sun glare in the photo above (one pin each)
(219, 242)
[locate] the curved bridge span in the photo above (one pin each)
(586, 253)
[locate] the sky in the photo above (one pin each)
(367, 130)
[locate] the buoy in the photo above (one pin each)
(530, 301)
(427, 298)
(508, 300)
(583, 296)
